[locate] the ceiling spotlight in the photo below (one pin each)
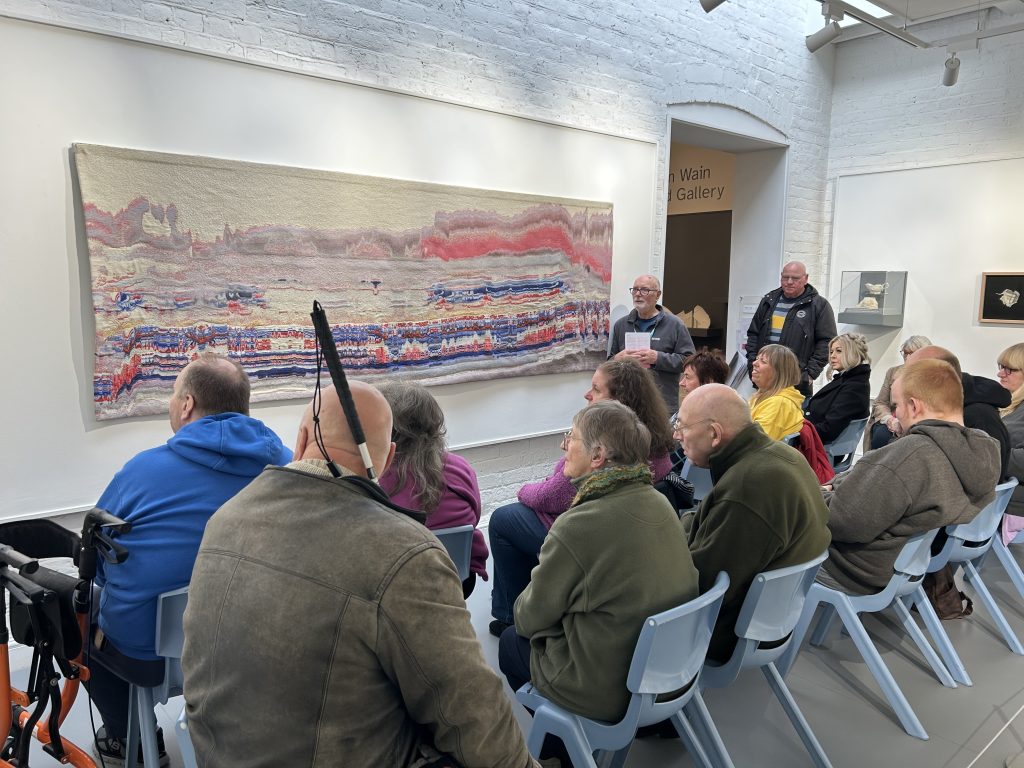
(710, 5)
(951, 70)
(823, 36)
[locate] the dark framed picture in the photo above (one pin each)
(1002, 298)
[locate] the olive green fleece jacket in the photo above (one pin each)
(325, 628)
(939, 473)
(764, 512)
(605, 566)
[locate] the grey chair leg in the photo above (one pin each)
(908, 719)
(708, 733)
(796, 717)
(938, 634)
(972, 577)
(934, 626)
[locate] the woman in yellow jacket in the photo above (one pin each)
(777, 405)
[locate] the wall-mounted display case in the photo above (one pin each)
(872, 298)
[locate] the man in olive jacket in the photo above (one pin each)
(764, 512)
(327, 628)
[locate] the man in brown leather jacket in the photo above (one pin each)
(327, 628)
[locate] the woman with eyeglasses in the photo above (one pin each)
(516, 531)
(425, 477)
(848, 395)
(883, 426)
(1011, 376)
(777, 405)
(617, 556)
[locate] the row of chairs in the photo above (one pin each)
(779, 607)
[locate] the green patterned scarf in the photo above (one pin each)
(607, 479)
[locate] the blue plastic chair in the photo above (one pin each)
(459, 543)
(170, 638)
(792, 440)
(701, 479)
(770, 611)
(841, 450)
(908, 573)
(668, 659)
(965, 546)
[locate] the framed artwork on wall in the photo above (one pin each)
(1002, 298)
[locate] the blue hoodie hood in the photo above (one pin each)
(230, 443)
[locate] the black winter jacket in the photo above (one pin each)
(846, 398)
(809, 327)
(982, 400)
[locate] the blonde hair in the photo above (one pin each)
(1013, 357)
(786, 368)
(934, 382)
(853, 350)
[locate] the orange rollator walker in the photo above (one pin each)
(50, 614)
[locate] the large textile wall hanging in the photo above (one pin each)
(423, 281)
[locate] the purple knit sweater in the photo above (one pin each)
(550, 498)
(459, 505)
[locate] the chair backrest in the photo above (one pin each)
(170, 639)
(775, 601)
(983, 527)
(672, 644)
(913, 559)
(848, 440)
(699, 477)
(792, 439)
(459, 543)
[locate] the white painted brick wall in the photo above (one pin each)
(890, 111)
(611, 65)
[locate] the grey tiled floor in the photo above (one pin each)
(837, 694)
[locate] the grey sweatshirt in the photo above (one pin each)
(938, 474)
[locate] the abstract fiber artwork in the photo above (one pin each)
(421, 281)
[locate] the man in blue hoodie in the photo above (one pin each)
(168, 493)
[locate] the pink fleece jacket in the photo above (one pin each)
(550, 498)
(459, 505)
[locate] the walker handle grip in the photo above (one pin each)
(15, 559)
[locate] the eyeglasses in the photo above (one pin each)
(680, 427)
(566, 438)
(643, 291)
(1007, 370)
(791, 279)
(905, 352)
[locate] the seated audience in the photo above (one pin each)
(939, 473)
(168, 494)
(982, 400)
(883, 426)
(1011, 377)
(848, 395)
(315, 600)
(614, 558)
(517, 530)
(707, 366)
(765, 510)
(777, 405)
(425, 477)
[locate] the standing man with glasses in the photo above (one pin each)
(796, 316)
(668, 342)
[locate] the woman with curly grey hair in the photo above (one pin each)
(848, 395)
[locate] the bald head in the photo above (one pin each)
(209, 385)
(794, 279)
(375, 416)
(719, 403)
(933, 352)
(709, 418)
